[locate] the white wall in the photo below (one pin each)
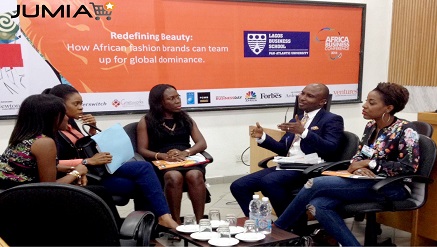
(226, 132)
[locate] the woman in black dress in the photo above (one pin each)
(164, 134)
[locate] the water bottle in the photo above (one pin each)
(254, 208)
(265, 216)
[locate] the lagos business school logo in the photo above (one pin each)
(65, 11)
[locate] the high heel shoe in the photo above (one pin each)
(161, 228)
(158, 230)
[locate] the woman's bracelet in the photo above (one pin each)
(156, 155)
(75, 173)
(188, 151)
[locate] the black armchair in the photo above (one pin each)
(54, 214)
(424, 128)
(418, 183)
(131, 130)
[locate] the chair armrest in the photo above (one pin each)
(93, 177)
(338, 165)
(138, 225)
(207, 156)
(406, 178)
(137, 157)
(316, 170)
(263, 163)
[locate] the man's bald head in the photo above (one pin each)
(313, 97)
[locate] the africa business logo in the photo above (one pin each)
(250, 96)
(334, 42)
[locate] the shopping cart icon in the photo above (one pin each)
(99, 11)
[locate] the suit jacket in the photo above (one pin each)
(325, 135)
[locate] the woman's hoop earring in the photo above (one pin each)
(389, 117)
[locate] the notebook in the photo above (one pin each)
(193, 160)
(346, 174)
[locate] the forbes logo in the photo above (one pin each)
(271, 96)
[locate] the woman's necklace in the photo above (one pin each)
(171, 129)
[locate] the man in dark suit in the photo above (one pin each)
(315, 131)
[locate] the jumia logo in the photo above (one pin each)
(64, 11)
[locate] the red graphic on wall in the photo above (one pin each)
(10, 55)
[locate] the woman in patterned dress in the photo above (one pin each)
(31, 154)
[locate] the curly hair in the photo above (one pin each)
(155, 116)
(393, 94)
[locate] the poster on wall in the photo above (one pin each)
(218, 54)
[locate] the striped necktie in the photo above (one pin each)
(302, 121)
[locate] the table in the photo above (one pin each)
(276, 237)
(3, 243)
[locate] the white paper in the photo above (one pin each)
(312, 158)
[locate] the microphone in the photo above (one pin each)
(285, 118)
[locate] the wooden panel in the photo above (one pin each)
(258, 153)
(3, 243)
(413, 51)
(398, 220)
(431, 118)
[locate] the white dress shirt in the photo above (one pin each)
(295, 148)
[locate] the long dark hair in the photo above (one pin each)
(155, 117)
(38, 114)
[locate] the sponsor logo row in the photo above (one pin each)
(206, 98)
(192, 99)
(196, 98)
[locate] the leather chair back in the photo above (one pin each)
(53, 214)
(424, 128)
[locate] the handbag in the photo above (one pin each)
(86, 147)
